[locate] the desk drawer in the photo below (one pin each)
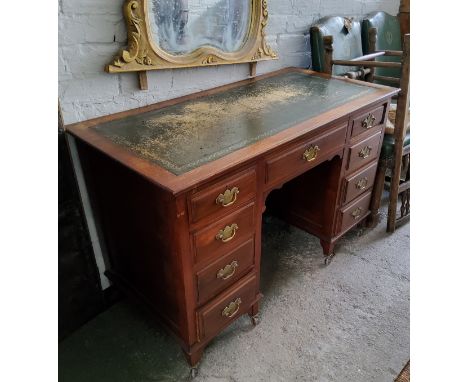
(224, 196)
(353, 213)
(359, 183)
(224, 235)
(304, 155)
(364, 152)
(367, 120)
(225, 271)
(227, 307)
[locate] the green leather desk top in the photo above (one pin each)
(185, 136)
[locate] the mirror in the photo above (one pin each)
(182, 26)
(164, 34)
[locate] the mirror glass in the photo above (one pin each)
(181, 26)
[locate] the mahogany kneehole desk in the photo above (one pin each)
(178, 188)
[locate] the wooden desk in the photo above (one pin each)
(179, 188)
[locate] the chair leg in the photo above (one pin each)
(394, 191)
(377, 194)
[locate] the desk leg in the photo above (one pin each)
(327, 247)
(253, 313)
(193, 357)
(328, 250)
(373, 218)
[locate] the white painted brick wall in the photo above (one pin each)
(91, 32)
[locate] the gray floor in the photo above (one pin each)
(345, 322)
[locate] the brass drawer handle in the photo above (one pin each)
(311, 153)
(228, 271)
(362, 183)
(356, 213)
(368, 122)
(227, 233)
(365, 152)
(228, 198)
(233, 307)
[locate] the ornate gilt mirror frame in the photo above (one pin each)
(143, 53)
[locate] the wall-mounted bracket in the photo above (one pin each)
(253, 68)
(143, 80)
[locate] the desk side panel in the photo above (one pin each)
(138, 224)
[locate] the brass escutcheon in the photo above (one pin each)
(228, 198)
(233, 307)
(228, 271)
(356, 213)
(362, 183)
(227, 233)
(311, 153)
(365, 152)
(369, 121)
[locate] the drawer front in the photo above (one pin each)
(304, 155)
(355, 211)
(224, 196)
(364, 152)
(225, 271)
(359, 183)
(224, 235)
(218, 314)
(367, 121)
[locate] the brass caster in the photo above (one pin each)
(255, 320)
(193, 372)
(329, 258)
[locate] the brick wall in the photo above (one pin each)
(91, 32)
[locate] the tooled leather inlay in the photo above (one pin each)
(185, 136)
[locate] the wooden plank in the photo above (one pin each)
(387, 79)
(400, 130)
(369, 56)
(370, 64)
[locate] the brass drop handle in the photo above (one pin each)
(233, 307)
(227, 233)
(362, 183)
(365, 152)
(356, 213)
(311, 153)
(228, 198)
(368, 122)
(228, 271)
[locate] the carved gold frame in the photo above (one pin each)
(143, 54)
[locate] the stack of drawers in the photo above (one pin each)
(361, 167)
(222, 221)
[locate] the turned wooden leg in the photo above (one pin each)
(372, 220)
(253, 313)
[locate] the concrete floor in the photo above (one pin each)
(345, 322)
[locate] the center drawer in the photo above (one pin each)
(225, 235)
(304, 155)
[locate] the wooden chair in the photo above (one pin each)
(395, 155)
(382, 32)
(336, 37)
(395, 146)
